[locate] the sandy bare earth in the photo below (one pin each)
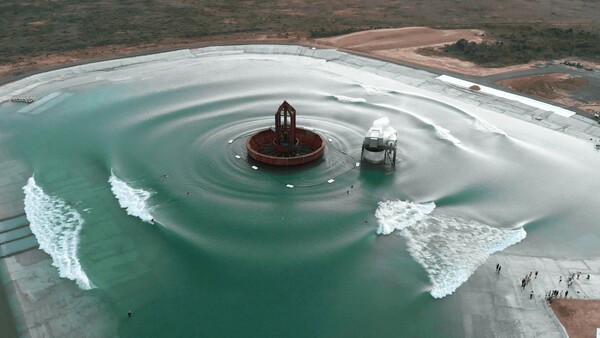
(396, 44)
(401, 44)
(400, 38)
(557, 87)
(579, 317)
(93, 54)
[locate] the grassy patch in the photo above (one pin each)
(40, 27)
(523, 44)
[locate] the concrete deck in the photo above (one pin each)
(493, 306)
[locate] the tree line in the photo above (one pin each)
(518, 45)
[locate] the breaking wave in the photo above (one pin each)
(131, 199)
(347, 99)
(487, 127)
(56, 226)
(398, 215)
(373, 91)
(444, 134)
(449, 248)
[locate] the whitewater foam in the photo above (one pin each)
(56, 226)
(398, 215)
(131, 199)
(487, 127)
(347, 99)
(445, 134)
(449, 248)
(383, 124)
(373, 91)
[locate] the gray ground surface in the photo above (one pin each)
(495, 305)
(46, 305)
(492, 305)
(6, 319)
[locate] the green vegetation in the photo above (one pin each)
(327, 32)
(519, 45)
(324, 33)
(37, 28)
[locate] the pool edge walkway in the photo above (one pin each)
(33, 261)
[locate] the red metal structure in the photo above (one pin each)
(286, 132)
(288, 145)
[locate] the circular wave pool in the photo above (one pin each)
(200, 240)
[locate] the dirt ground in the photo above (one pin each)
(398, 38)
(579, 317)
(92, 54)
(397, 44)
(550, 86)
(554, 86)
(402, 44)
(37, 34)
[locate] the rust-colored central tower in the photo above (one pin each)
(288, 145)
(285, 125)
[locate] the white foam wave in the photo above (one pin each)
(445, 134)
(398, 215)
(383, 124)
(56, 226)
(347, 99)
(373, 91)
(449, 248)
(487, 127)
(131, 199)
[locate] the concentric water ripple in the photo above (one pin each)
(239, 245)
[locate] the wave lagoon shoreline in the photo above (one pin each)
(30, 304)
